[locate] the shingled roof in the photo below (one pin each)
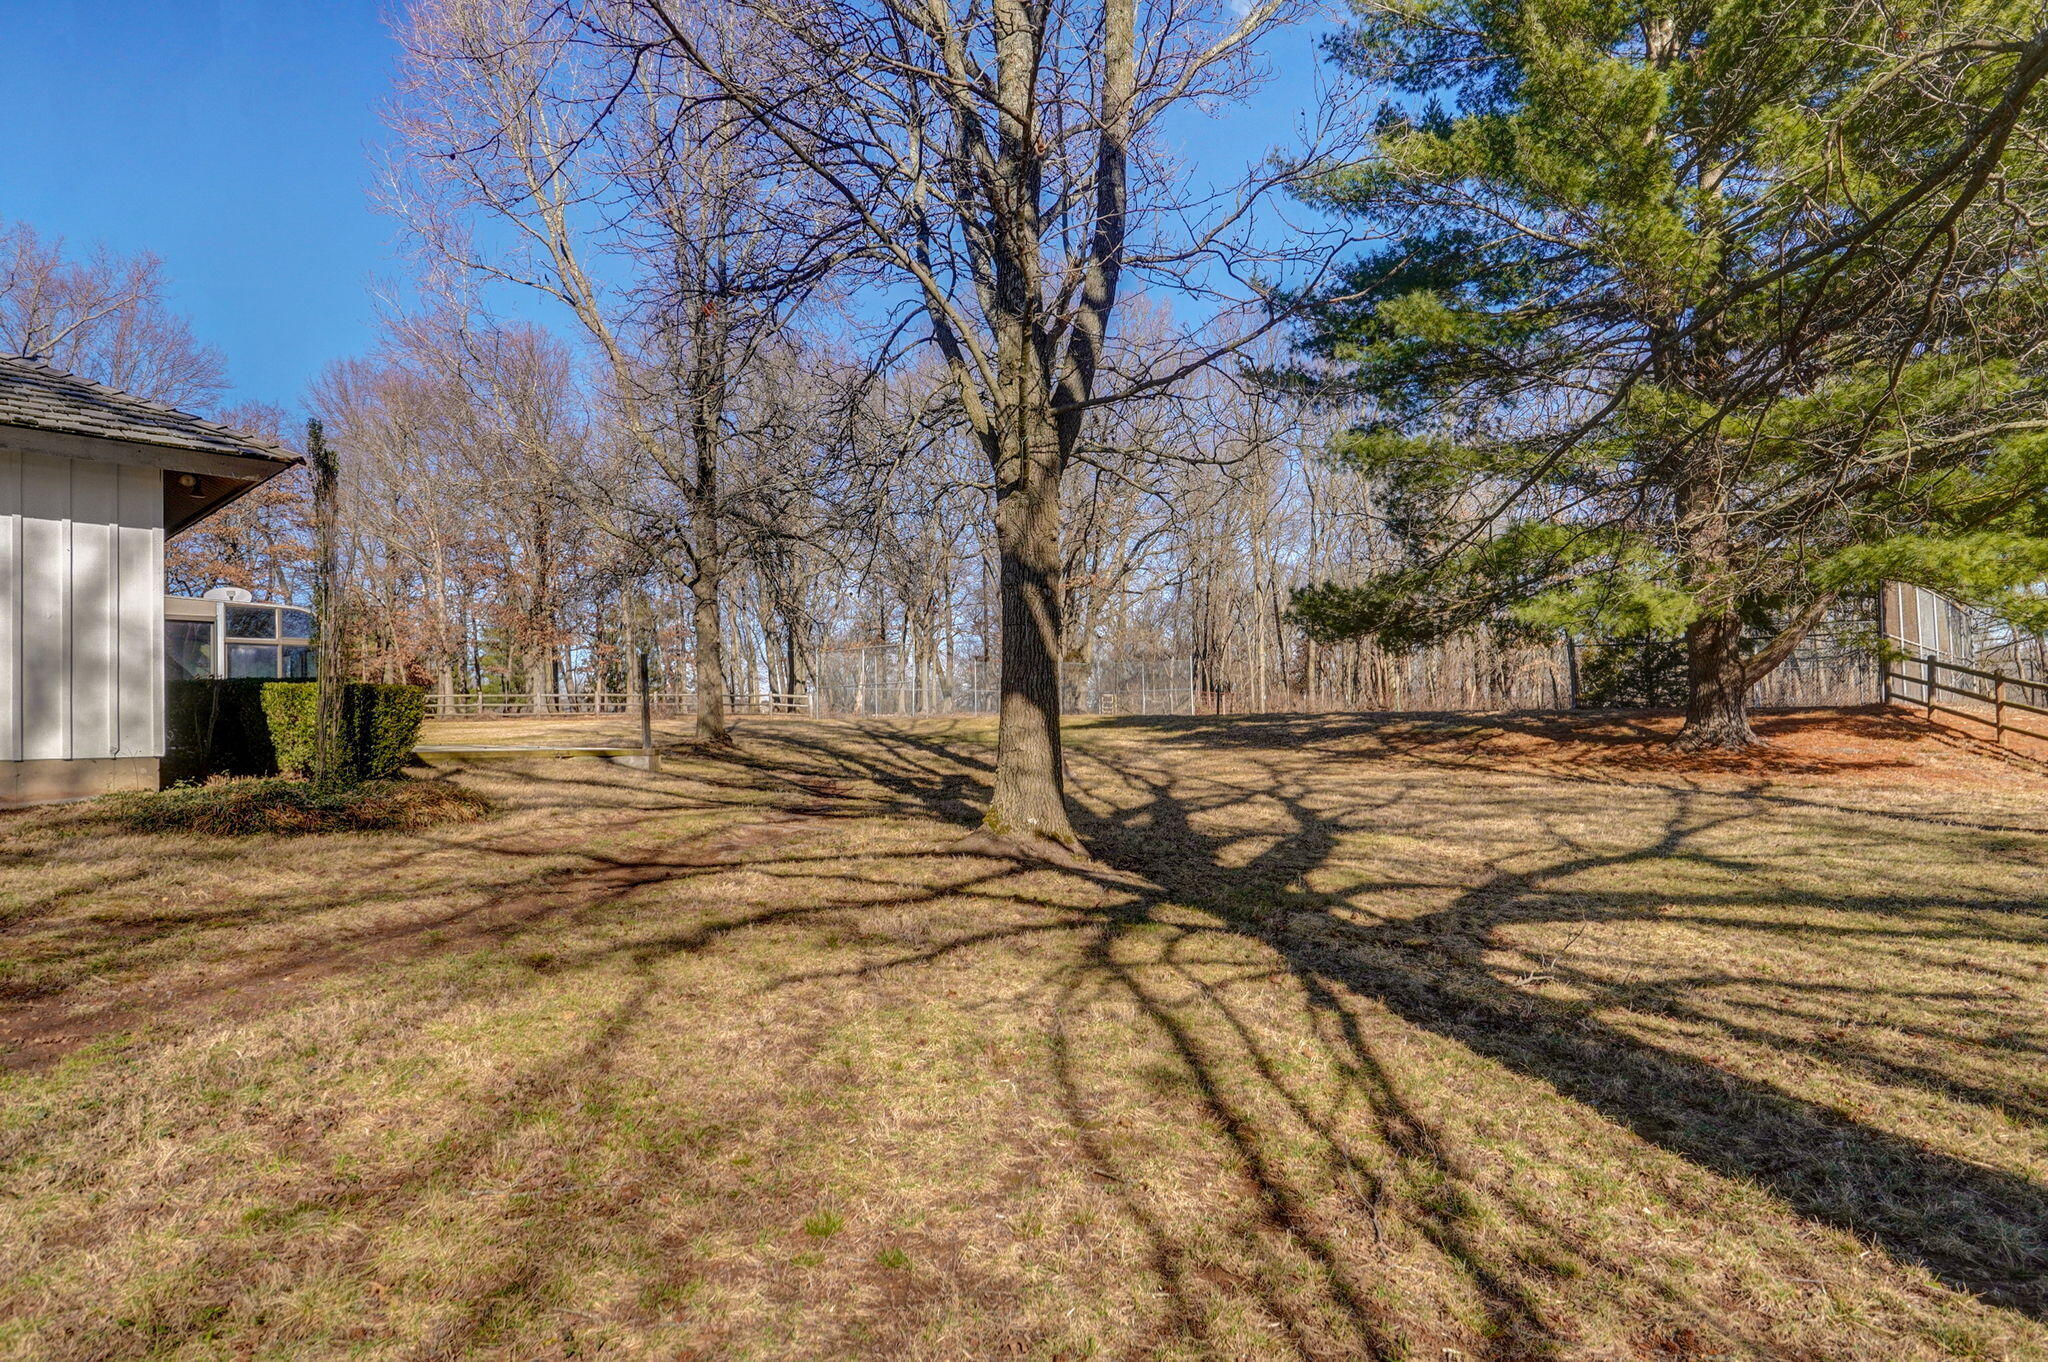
(37, 396)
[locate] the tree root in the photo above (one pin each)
(1717, 740)
(1027, 847)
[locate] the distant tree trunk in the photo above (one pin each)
(789, 627)
(649, 760)
(539, 664)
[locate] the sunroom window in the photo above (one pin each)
(189, 649)
(253, 639)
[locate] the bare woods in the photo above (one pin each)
(874, 322)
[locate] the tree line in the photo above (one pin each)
(754, 331)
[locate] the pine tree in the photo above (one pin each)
(1693, 316)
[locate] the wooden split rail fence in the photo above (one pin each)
(668, 704)
(2013, 709)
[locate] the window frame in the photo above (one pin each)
(277, 642)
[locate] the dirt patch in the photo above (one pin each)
(1877, 745)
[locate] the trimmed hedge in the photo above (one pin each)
(264, 728)
(382, 725)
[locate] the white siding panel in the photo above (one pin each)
(45, 608)
(95, 603)
(139, 556)
(81, 609)
(10, 606)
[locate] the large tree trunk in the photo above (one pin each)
(707, 541)
(1717, 687)
(1029, 802)
(1720, 678)
(1717, 681)
(333, 765)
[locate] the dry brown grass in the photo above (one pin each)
(1369, 1038)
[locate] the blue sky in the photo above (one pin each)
(234, 137)
(231, 137)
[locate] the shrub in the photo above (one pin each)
(291, 716)
(261, 728)
(284, 807)
(382, 723)
(1643, 673)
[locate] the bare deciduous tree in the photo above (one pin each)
(620, 189)
(1008, 164)
(102, 316)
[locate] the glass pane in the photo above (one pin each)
(252, 621)
(295, 623)
(251, 659)
(188, 649)
(299, 662)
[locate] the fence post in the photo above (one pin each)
(1884, 643)
(1998, 708)
(1930, 689)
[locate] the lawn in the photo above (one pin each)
(1489, 1037)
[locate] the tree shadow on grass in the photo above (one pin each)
(1173, 842)
(1168, 844)
(1974, 1228)
(1623, 750)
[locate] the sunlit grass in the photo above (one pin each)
(1365, 1039)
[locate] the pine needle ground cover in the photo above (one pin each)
(1389, 1038)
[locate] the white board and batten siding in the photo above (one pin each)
(81, 609)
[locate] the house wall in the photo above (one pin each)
(81, 623)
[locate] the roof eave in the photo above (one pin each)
(249, 465)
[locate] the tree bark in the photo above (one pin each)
(333, 767)
(712, 725)
(1029, 800)
(1719, 678)
(649, 759)
(1717, 681)
(539, 668)
(1717, 687)
(707, 548)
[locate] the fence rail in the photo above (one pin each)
(667, 704)
(1986, 698)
